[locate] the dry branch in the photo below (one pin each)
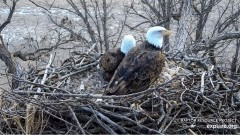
(223, 36)
(75, 118)
(160, 109)
(199, 93)
(10, 15)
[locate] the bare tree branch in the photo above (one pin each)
(12, 9)
(221, 37)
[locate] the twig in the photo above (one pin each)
(105, 119)
(132, 131)
(41, 85)
(192, 132)
(106, 127)
(91, 48)
(10, 15)
(76, 120)
(202, 82)
(85, 95)
(89, 122)
(212, 102)
(45, 74)
(165, 129)
(37, 5)
(119, 107)
(122, 117)
(184, 102)
(163, 113)
(101, 123)
(59, 118)
(210, 78)
(83, 68)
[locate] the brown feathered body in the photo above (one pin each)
(109, 63)
(137, 71)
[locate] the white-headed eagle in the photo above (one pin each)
(141, 66)
(111, 59)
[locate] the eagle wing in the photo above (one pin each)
(136, 73)
(107, 76)
(110, 60)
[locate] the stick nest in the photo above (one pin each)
(68, 99)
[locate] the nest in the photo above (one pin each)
(69, 100)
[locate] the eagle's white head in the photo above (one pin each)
(155, 35)
(128, 43)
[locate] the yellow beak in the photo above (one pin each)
(167, 33)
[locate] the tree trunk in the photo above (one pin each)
(235, 61)
(5, 56)
(105, 25)
(184, 24)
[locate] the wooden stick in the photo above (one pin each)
(45, 74)
(75, 118)
(83, 68)
(105, 118)
(87, 95)
(91, 48)
(202, 82)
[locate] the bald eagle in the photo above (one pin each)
(111, 59)
(142, 65)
